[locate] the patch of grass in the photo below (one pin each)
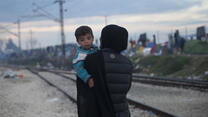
(197, 67)
(196, 47)
(201, 66)
(164, 65)
(169, 64)
(174, 66)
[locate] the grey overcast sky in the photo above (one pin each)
(138, 16)
(10, 10)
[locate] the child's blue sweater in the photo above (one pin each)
(78, 62)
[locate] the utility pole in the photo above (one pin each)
(31, 40)
(158, 37)
(19, 33)
(186, 33)
(61, 20)
(106, 21)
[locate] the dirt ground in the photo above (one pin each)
(31, 97)
(178, 101)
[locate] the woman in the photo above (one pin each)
(112, 73)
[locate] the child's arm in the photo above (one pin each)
(78, 65)
(81, 71)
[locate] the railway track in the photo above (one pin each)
(201, 85)
(160, 81)
(170, 82)
(137, 104)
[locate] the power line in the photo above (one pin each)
(18, 34)
(44, 12)
(59, 20)
(5, 29)
(48, 5)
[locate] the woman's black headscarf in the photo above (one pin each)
(114, 37)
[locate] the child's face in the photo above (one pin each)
(85, 41)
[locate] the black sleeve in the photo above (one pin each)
(94, 64)
(89, 63)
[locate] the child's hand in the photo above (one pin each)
(91, 82)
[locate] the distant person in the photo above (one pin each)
(84, 82)
(176, 36)
(170, 44)
(182, 44)
(111, 73)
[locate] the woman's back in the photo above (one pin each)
(118, 74)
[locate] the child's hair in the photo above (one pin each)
(83, 30)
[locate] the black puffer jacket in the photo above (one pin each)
(118, 74)
(112, 73)
(118, 68)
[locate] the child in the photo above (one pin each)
(85, 39)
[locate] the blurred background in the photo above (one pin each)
(41, 32)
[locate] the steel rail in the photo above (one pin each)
(170, 82)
